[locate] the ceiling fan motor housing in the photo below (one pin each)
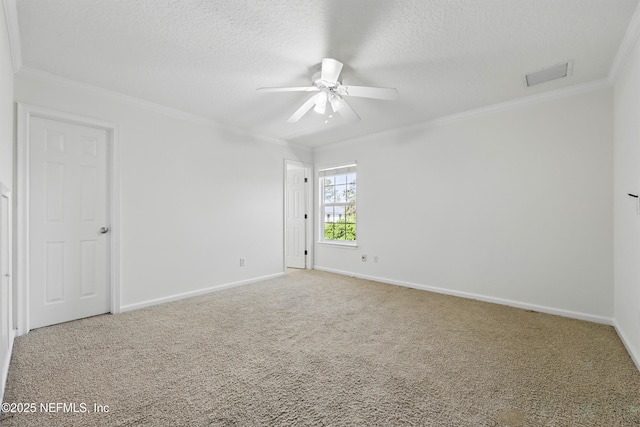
(322, 84)
(331, 91)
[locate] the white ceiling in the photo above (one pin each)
(208, 57)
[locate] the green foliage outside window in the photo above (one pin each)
(342, 229)
(340, 207)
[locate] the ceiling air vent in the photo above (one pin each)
(549, 73)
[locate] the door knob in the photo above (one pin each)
(104, 230)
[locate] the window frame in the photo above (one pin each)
(335, 170)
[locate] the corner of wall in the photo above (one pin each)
(626, 142)
(626, 47)
(11, 19)
(635, 355)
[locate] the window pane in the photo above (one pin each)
(351, 232)
(328, 214)
(329, 194)
(350, 214)
(340, 193)
(339, 222)
(328, 231)
(340, 179)
(351, 193)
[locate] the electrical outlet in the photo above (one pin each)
(243, 261)
(364, 258)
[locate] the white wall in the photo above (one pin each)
(6, 158)
(194, 196)
(513, 206)
(626, 219)
(6, 105)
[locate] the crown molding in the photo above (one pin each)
(523, 102)
(146, 105)
(13, 31)
(626, 47)
(503, 106)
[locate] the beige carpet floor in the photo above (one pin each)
(314, 348)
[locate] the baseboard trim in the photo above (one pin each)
(635, 356)
(196, 293)
(478, 297)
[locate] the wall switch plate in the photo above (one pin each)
(243, 261)
(375, 259)
(364, 258)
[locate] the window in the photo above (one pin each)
(338, 205)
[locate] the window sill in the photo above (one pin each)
(353, 245)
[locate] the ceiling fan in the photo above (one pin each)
(332, 91)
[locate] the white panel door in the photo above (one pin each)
(295, 221)
(68, 230)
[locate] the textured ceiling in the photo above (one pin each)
(208, 57)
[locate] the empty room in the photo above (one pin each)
(332, 212)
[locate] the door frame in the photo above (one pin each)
(21, 197)
(308, 191)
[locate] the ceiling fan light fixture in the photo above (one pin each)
(330, 88)
(336, 103)
(321, 103)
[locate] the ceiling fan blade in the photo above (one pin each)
(304, 109)
(330, 70)
(347, 112)
(288, 89)
(387, 93)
